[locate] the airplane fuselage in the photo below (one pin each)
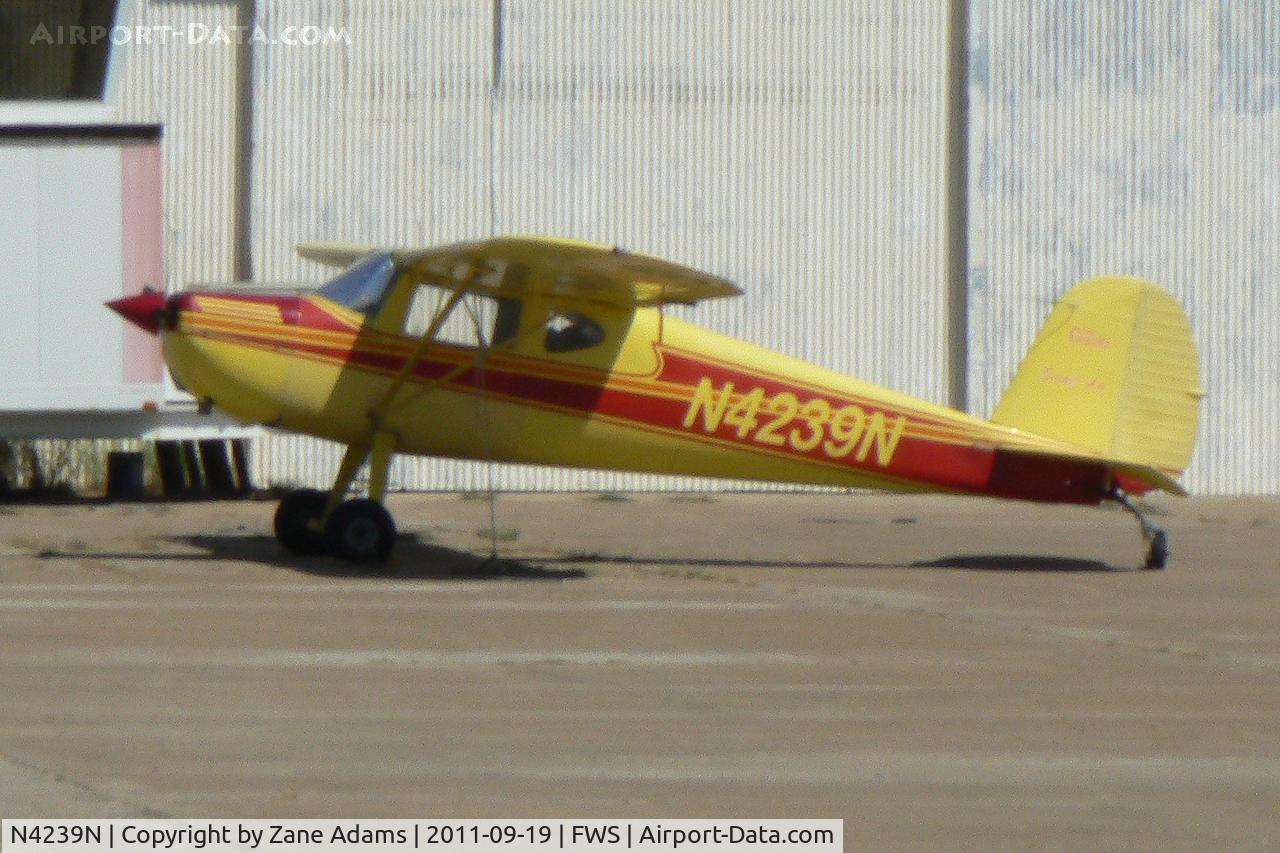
(656, 395)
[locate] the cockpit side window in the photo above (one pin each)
(568, 331)
(364, 284)
(468, 323)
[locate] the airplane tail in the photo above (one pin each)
(1114, 371)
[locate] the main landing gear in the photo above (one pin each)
(359, 530)
(1157, 540)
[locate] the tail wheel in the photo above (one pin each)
(1158, 554)
(294, 521)
(361, 531)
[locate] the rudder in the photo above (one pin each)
(1114, 371)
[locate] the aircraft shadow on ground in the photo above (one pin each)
(969, 562)
(1016, 563)
(412, 560)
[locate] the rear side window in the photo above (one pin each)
(507, 323)
(568, 331)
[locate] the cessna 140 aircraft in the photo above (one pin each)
(572, 361)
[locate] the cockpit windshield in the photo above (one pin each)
(364, 284)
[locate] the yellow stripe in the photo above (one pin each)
(239, 308)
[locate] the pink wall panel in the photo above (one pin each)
(143, 251)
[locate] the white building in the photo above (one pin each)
(818, 153)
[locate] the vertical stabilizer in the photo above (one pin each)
(1114, 371)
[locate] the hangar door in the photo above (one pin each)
(81, 218)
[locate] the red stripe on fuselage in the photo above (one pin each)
(945, 464)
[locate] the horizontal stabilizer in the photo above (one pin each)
(1044, 475)
(1146, 476)
(341, 255)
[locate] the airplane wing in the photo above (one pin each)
(517, 266)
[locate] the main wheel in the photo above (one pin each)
(1158, 555)
(361, 531)
(294, 519)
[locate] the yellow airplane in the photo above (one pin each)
(557, 352)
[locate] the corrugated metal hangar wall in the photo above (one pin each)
(801, 149)
(1139, 137)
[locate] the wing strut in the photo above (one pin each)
(362, 530)
(380, 409)
(380, 446)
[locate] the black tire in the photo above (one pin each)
(361, 531)
(293, 521)
(1158, 555)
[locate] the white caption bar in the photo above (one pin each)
(516, 836)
